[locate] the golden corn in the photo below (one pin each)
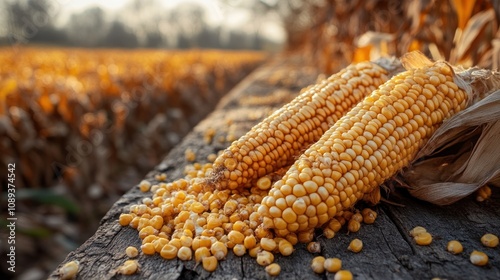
(314, 247)
(131, 252)
(273, 269)
(239, 250)
(479, 258)
(201, 253)
(489, 240)
(128, 268)
(423, 239)
(343, 275)
(483, 193)
(210, 263)
(265, 258)
(278, 139)
(332, 264)
(69, 270)
(417, 230)
(285, 247)
(356, 245)
(372, 142)
(318, 264)
(454, 247)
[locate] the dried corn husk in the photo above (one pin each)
(464, 153)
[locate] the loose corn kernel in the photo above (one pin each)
(128, 268)
(239, 250)
(454, 247)
(483, 193)
(333, 264)
(148, 248)
(254, 251)
(265, 258)
(343, 275)
(328, 233)
(131, 252)
(273, 269)
(417, 230)
(144, 186)
(268, 244)
(318, 264)
(264, 183)
(209, 263)
(478, 258)
(355, 245)
(369, 216)
(69, 270)
(423, 239)
(236, 237)
(250, 242)
(219, 250)
(161, 177)
(314, 247)
(489, 240)
(201, 253)
(285, 247)
(357, 217)
(184, 253)
(353, 225)
(169, 252)
(189, 155)
(147, 231)
(125, 219)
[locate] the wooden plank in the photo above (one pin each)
(388, 253)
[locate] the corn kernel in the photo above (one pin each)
(454, 247)
(265, 258)
(333, 264)
(190, 155)
(209, 263)
(318, 264)
(423, 239)
(125, 219)
(369, 216)
(356, 245)
(489, 240)
(69, 270)
(417, 230)
(148, 249)
(273, 269)
(239, 250)
(250, 242)
(201, 253)
(144, 186)
(219, 250)
(268, 244)
(353, 225)
(185, 253)
(314, 247)
(168, 252)
(128, 268)
(131, 252)
(478, 258)
(343, 275)
(285, 247)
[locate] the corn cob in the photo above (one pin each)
(377, 138)
(281, 137)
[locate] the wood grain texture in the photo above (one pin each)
(389, 252)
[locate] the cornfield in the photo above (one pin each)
(83, 126)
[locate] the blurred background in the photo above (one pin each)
(93, 94)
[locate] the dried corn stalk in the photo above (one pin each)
(463, 154)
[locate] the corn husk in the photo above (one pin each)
(464, 153)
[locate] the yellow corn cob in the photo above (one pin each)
(281, 137)
(378, 137)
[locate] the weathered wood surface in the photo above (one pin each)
(389, 252)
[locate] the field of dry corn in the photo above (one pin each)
(82, 126)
